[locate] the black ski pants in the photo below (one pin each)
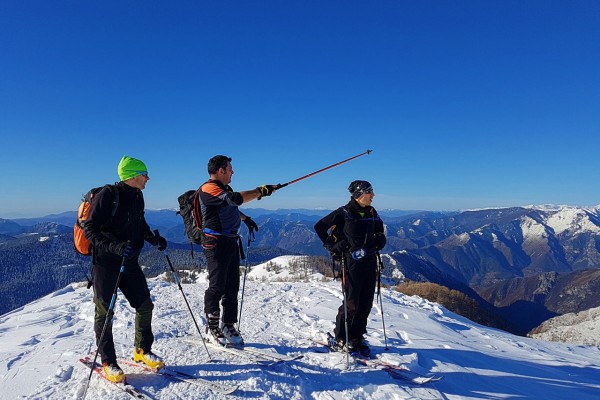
(361, 277)
(223, 278)
(134, 287)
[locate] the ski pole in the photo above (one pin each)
(176, 277)
(279, 186)
(250, 239)
(107, 321)
(186, 302)
(344, 277)
(379, 269)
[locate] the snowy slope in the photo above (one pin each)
(572, 219)
(41, 343)
(580, 328)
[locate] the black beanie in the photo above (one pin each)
(358, 188)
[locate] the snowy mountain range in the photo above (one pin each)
(485, 246)
(43, 341)
(531, 262)
(507, 256)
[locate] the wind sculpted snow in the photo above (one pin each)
(41, 343)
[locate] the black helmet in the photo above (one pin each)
(358, 188)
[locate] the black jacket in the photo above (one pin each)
(353, 223)
(128, 223)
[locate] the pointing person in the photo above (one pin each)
(221, 219)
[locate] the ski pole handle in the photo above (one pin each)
(157, 244)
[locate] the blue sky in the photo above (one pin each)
(465, 104)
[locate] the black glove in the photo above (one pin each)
(266, 190)
(329, 247)
(340, 247)
(158, 240)
(250, 224)
(380, 241)
(162, 243)
(121, 249)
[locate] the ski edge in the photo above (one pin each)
(395, 371)
(184, 377)
(254, 355)
(272, 355)
(398, 372)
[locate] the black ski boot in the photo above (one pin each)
(232, 335)
(213, 329)
(363, 348)
(354, 347)
(335, 344)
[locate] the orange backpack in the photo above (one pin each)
(82, 244)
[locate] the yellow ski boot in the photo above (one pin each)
(150, 359)
(113, 372)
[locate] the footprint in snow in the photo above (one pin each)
(64, 335)
(404, 336)
(31, 342)
(64, 374)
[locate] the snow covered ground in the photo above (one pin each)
(40, 345)
(580, 328)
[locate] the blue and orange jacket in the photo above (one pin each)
(219, 207)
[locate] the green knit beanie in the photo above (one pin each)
(130, 167)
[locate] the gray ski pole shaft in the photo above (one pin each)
(244, 280)
(107, 321)
(344, 278)
(176, 277)
(379, 269)
(279, 186)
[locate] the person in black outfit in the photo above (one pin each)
(354, 233)
(117, 240)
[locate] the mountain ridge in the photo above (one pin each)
(468, 251)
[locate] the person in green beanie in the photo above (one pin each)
(117, 240)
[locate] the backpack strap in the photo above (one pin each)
(347, 215)
(115, 194)
(196, 213)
